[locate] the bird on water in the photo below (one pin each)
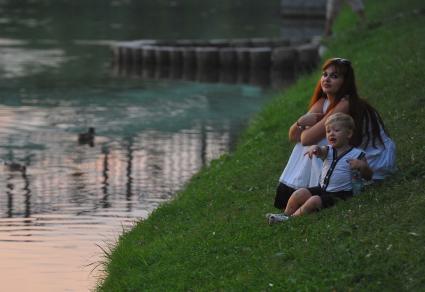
(87, 138)
(14, 166)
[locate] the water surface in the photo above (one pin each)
(56, 80)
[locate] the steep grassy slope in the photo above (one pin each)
(214, 236)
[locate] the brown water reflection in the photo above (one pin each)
(74, 198)
(151, 136)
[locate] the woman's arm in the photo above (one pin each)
(317, 132)
(307, 120)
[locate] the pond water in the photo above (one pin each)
(73, 200)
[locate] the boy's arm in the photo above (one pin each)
(319, 151)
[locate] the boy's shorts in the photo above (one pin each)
(329, 199)
(334, 6)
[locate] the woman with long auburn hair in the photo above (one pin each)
(336, 91)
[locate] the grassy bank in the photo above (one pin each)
(214, 236)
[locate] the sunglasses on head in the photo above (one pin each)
(341, 61)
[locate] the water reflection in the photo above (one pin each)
(151, 165)
(151, 136)
(148, 144)
(19, 62)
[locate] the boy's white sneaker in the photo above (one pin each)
(275, 218)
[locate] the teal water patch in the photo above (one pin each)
(151, 136)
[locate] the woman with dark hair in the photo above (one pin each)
(335, 91)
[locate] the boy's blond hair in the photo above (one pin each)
(343, 119)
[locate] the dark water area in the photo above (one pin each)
(56, 80)
(67, 20)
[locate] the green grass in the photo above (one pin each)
(214, 236)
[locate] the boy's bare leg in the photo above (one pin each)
(313, 204)
(297, 199)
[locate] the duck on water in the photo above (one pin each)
(87, 137)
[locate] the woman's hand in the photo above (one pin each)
(309, 119)
(317, 132)
(305, 121)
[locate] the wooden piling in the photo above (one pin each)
(162, 56)
(197, 59)
(308, 56)
(176, 57)
(137, 57)
(176, 63)
(243, 58)
(148, 56)
(284, 58)
(189, 63)
(228, 58)
(127, 53)
(260, 58)
(207, 58)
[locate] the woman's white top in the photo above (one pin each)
(301, 171)
(336, 171)
(382, 158)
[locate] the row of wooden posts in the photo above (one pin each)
(155, 58)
